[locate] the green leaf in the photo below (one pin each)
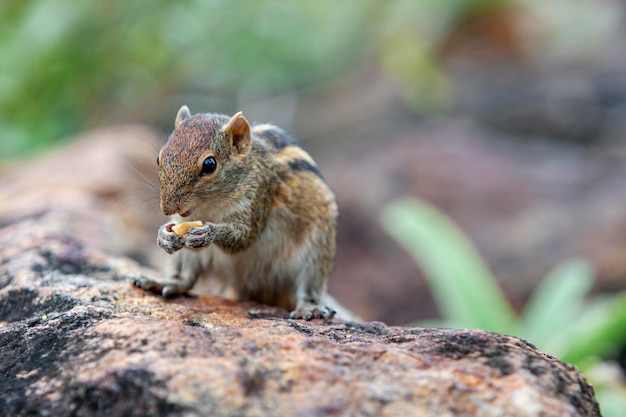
(465, 290)
(599, 332)
(556, 304)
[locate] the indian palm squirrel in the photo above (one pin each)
(268, 217)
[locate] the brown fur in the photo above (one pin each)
(269, 218)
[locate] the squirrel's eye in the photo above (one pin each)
(208, 166)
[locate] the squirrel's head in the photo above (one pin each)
(204, 161)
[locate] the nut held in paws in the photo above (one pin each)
(181, 229)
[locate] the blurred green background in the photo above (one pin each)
(507, 116)
(70, 66)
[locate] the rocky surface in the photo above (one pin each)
(97, 186)
(78, 340)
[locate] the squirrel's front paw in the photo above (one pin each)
(312, 311)
(198, 237)
(168, 240)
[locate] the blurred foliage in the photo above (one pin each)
(68, 65)
(412, 36)
(70, 62)
(462, 285)
(559, 317)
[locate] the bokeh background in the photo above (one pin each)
(507, 116)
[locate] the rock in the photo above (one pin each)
(98, 186)
(78, 340)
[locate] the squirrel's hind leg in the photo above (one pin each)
(163, 287)
(310, 293)
(181, 273)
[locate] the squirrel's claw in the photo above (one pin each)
(146, 283)
(311, 311)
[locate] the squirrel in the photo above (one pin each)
(268, 217)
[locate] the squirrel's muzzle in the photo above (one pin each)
(170, 204)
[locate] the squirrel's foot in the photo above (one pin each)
(312, 311)
(165, 288)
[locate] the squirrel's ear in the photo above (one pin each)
(182, 115)
(238, 133)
